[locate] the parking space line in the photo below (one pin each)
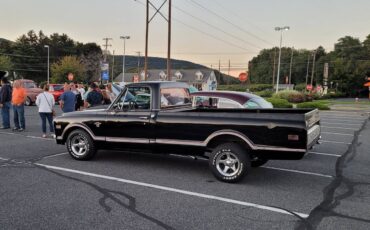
(325, 154)
(343, 134)
(28, 136)
(297, 171)
(3, 159)
(331, 127)
(55, 155)
(335, 142)
(180, 191)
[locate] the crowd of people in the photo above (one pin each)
(74, 98)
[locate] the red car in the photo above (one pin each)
(56, 90)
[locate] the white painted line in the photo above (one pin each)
(3, 159)
(55, 155)
(180, 191)
(343, 134)
(331, 123)
(28, 136)
(335, 142)
(331, 127)
(297, 171)
(325, 154)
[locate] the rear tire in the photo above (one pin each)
(229, 162)
(80, 145)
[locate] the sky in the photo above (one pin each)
(203, 31)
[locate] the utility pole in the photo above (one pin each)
(219, 69)
(228, 73)
(138, 63)
(313, 66)
(290, 68)
(168, 19)
(169, 77)
(308, 66)
(274, 68)
(106, 45)
(124, 56)
(281, 29)
(113, 67)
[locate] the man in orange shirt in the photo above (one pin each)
(18, 99)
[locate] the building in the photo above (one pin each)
(202, 79)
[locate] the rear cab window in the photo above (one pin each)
(173, 97)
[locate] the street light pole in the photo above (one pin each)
(48, 78)
(281, 29)
(124, 56)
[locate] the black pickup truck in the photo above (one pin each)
(158, 117)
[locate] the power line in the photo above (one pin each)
(217, 28)
(229, 22)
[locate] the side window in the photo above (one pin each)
(251, 105)
(205, 102)
(226, 103)
(175, 97)
(135, 98)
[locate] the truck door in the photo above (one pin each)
(129, 118)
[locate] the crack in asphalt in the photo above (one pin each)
(331, 200)
(107, 194)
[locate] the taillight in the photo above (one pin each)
(292, 137)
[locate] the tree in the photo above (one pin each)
(5, 63)
(68, 64)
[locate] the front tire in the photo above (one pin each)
(229, 162)
(80, 145)
(28, 101)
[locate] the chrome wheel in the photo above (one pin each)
(227, 164)
(79, 145)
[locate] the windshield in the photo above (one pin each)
(58, 87)
(29, 85)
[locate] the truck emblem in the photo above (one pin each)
(97, 124)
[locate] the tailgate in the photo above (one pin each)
(312, 119)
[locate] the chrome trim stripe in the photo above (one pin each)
(180, 142)
(127, 140)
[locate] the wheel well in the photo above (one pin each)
(66, 134)
(225, 139)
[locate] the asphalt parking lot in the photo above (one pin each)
(41, 187)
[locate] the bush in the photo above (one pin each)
(279, 103)
(290, 95)
(314, 105)
(300, 87)
(265, 93)
(244, 87)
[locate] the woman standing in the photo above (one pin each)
(18, 99)
(45, 102)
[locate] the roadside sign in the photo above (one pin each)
(105, 75)
(309, 87)
(243, 77)
(136, 78)
(70, 76)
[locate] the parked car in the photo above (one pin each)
(229, 99)
(56, 90)
(31, 91)
(232, 139)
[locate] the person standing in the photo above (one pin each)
(94, 97)
(67, 100)
(18, 99)
(5, 102)
(45, 102)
